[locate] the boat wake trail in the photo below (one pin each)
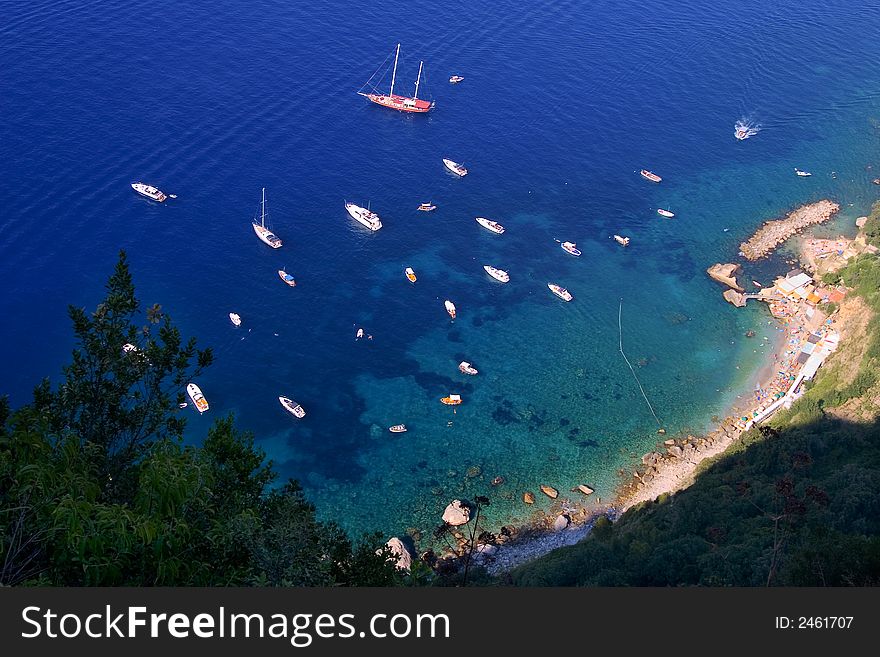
(635, 376)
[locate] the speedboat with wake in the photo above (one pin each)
(488, 224)
(455, 167)
(364, 216)
(497, 274)
(292, 407)
(570, 247)
(198, 399)
(560, 291)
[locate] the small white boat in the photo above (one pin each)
(466, 368)
(803, 174)
(488, 224)
(427, 207)
(198, 399)
(623, 241)
(450, 308)
(665, 213)
(571, 248)
(455, 79)
(265, 235)
(149, 191)
(455, 167)
(397, 428)
(128, 348)
(560, 291)
(287, 278)
(741, 133)
(497, 274)
(364, 216)
(182, 405)
(235, 318)
(292, 407)
(650, 175)
(410, 274)
(359, 334)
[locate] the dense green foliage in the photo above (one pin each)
(97, 488)
(793, 504)
(872, 227)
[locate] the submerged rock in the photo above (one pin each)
(549, 491)
(456, 514)
(529, 498)
(586, 490)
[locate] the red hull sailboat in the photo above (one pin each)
(396, 101)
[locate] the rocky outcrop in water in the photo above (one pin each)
(734, 297)
(549, 491)
(725, 274)
(774, 233)
(456, 514)
(403, 559)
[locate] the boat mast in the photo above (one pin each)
(394, 74)
(418, 79)
(263, 210)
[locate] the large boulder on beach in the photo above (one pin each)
(726, 274)
(402, 557)
(456, 514)
(561, 523)
(734, 297)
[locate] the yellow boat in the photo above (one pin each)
(451, 400)
(410, 274)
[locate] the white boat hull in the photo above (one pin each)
(198, 399)
(492, 226)
(498, 274)
(455, 167)
(364, 217)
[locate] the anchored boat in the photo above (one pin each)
(571, 248)
(412, 104)
(560, 291)
(235, 318)
(427, 207)
(198, 399)
(648, 175)
(292, 407)
(455, 79)
(803, 174)
(665, 213)
(266, 235)
(410, 274)
(450, 308)
(455, 167)
(149, 191)
(497, 274)
(466, 368)
(623, 241)
(364, 216)
(287, 278)
(451, 400)
(488, 224)
(397, 428)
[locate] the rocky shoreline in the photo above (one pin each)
(774, 233)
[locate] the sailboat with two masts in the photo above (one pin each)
(396, 101)
(260, 229)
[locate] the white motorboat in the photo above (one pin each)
(128, 348)
(571, 248)
(803, 174)
(623, 241)
(665, 213)
(235, 318)
(410, 274)
(497, 274)
(359, 334)
(292, 407)
(426, 207)
(198, 399)
(287, 278)
(488, 224)
(265, 235)
(149, 191)
(450, 308)
(397, 428)
(650, 175)
(455, 167)
(364, 216)
(466, 368)
(560, 291)
(455, 79)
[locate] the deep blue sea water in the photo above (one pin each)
(562, 104)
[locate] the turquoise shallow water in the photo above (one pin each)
(560, 108)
